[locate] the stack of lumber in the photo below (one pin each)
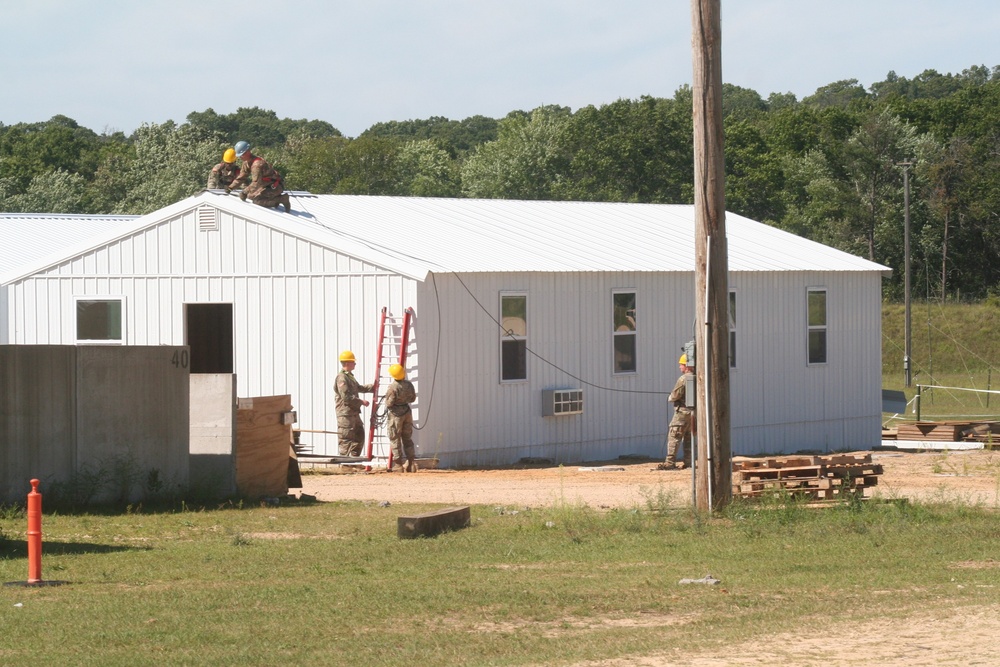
(949, 431)
(985, 432)
(819, 478)
(943, 431)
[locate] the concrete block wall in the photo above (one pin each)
(94, 423)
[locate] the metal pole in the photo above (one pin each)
(906, 273)
(918, 401)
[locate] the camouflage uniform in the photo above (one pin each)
(680, 425)
(222, 175)
(397, 404)
(261, 183)
(350, 430)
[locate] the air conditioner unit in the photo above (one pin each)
(556, 402)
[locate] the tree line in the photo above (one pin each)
(829, 167)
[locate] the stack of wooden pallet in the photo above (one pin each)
(820, 478)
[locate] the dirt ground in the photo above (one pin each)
(967, 636)
(971, 477)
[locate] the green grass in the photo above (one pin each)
(330, 583)
(952, 345)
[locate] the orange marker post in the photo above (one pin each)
(34, 534)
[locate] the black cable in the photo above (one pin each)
(543, 359)
(437, 356)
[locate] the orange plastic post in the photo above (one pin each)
(34, 534)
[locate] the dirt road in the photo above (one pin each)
(971, 477)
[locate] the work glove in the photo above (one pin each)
(243, 195)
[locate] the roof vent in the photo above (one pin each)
(208, 219)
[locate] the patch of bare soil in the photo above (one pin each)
(966, 636)
(971, 477)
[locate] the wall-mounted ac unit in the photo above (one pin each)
(556, 402)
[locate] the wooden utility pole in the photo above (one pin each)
(713, 475)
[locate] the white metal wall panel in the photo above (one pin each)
(479, 420)
(779, 402)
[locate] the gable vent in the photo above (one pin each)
(208, 219)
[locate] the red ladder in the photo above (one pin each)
(393, 341)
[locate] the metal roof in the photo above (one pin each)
(28, 237)
(414, 235)
(476, 235)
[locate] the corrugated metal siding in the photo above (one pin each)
(779, 402)
(296, 305)
(476, 419)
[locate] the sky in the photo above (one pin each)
(115, 64)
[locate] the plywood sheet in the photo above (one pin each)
(262, 446)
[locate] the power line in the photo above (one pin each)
(543, 359)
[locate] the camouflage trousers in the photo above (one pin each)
(401, 438)
(268, 197)
(678, 436)
(350, 434)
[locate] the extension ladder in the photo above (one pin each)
(393, 341)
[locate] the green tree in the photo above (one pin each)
(52, 192)
(872, 156)
(28, 150)
(427, 171)
(629, 150)
(523, 161)
(754, 176)
(170, 163)
(841, 94)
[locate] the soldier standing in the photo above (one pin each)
(261, 183)
(398, 397)
(350, 430)
(680, 425)
(223, 173)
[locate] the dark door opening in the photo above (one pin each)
(210, 337)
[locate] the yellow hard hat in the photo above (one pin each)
(347, 355)
(683, 360)
(397, 372)
(229, 156)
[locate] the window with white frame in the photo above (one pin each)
(817, 326)
(624, 331)
(99, 320)
(732, 328)
(513, 337)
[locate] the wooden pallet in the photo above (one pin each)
(819, 478)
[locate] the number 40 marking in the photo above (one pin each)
(180, 359)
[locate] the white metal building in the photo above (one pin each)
(592, 297)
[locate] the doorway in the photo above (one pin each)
(210, 336)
